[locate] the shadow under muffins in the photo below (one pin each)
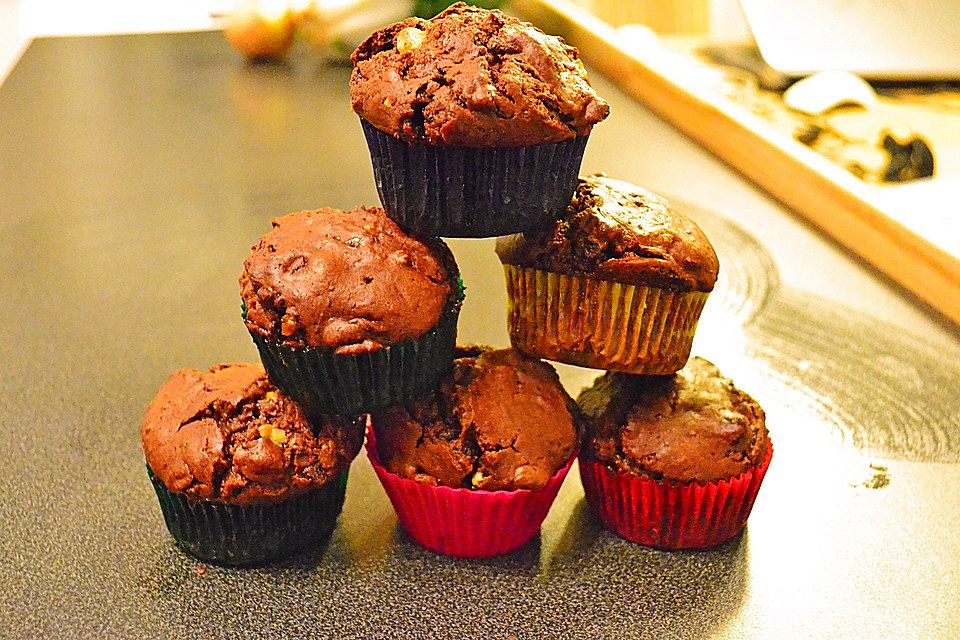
(611, 586)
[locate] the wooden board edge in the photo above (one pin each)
(807, 183)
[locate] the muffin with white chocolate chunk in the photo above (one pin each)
(476, 121)
(473, 469)
(242, 477)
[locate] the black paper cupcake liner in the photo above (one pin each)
(252, 534)
(472, 192)
(322, 381)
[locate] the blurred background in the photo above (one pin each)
(21, 20)
(855, 100)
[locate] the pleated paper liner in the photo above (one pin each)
(244, 535)
(672, 515)
(466, 523)
(472, 192)
(322, 381)
(599, 323)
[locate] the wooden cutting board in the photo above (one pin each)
(919, 249)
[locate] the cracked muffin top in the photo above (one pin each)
(473, 77)
(228, 436)
(499, 421)
(691, 426)
(345, 280)
(614, 230)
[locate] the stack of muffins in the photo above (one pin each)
(476, 124)
(674, 454)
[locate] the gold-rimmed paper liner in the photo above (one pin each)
(601, 324)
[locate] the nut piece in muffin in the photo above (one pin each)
(694, 426)
(499, 421)
(228, 436)
(617, 283)
(473, 77)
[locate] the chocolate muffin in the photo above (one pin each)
(348, 312)
(241, 475)
(473, 469)
(475, 78)
(500, 421)
(476, 121)
(673, 461)
(691, 426)
(618, 283)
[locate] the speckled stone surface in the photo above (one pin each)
(136, 171)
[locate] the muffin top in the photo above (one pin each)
(473, 77)
(227, 435)
(499, 421)
(691, 426)
(617, 231)
(350, 281)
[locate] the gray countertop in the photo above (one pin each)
(136, 172)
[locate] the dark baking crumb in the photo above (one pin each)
(878, 480)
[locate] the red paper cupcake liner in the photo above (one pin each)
(466, 523)
(672, 515)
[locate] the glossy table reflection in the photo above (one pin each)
(136, 171)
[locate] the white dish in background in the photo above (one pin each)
(876, 40)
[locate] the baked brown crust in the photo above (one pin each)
(691, 426)
(473, 77)
(227, 435)
(499, 421)
(617, 231)
(346, 280)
